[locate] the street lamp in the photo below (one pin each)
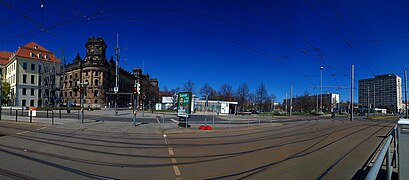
(321, 68)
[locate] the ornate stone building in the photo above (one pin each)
(99, 75)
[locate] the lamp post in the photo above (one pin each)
(321, 68)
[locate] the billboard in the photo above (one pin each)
(167, 99)
(184, 104)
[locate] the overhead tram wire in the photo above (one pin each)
(225, 21)
(208, 33)
(36, 23)
(339, 34)
(303, 38)
(298, 35)
(353, 34)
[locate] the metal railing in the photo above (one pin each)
(385, 152)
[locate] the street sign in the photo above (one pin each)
(116, 89)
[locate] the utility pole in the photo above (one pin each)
(286, 102)
(116, 89)
(406, 95)
(82, 100)
(321, 68)
(291, 99)
(367, 104)
(374, 100)
(352, 94)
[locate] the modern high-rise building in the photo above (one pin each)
(383, 91)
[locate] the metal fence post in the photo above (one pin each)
(388, 163)
(60, 113)
(22, 111)
(47, 112)
(205, 121)
(213, 121)
(0, 112)
(163, 119)
(248, 123)
(52, 117)
(16, 114)
(10, 110)
(259, 122)
(78, 114)
(31, 116)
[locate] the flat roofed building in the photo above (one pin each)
(385, 91)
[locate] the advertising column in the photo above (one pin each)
(184, 107)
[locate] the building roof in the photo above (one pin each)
(4, 57)
(34, 51)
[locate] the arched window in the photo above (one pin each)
(70, 93)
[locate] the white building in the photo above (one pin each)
(385, 91)
(219, 107)
(25, 71)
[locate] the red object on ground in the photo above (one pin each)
(203, 127)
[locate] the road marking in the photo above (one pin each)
(177, 172)
(173, 120)
(23, 132)
(171, 153)
(40, 128)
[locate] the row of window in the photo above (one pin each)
(32, 79)
(32, 92)
(24, 102)
(40, 56)
(86, 74)
(32, 67)
(96, 93)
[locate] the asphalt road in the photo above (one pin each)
(317, 147)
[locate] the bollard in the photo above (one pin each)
(52, 117)
(60, 113)
(16, 114)
(31, 116)
(47, 112)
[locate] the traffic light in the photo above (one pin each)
(138, 87)
(80, 90)
(134, 91)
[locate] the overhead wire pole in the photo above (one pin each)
(321, 68)
(291, 99)
(406, 94)
(116, 89)
(374, 100)
(352, 94)
(367, 103)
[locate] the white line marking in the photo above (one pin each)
(40, 128)
(171, 152)
(174, 160)
(173, 120)
(176, 169)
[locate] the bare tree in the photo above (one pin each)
(206, 90)
(242, 95)
(226, 92)
(189, 86)
(261, 95)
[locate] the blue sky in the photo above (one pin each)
(279, 43)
